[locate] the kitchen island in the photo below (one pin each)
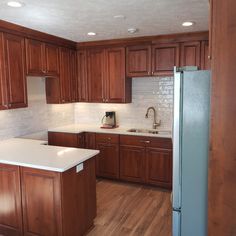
(46, 190)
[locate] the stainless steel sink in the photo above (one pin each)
(148, 131)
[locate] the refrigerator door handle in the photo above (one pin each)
(177, 141)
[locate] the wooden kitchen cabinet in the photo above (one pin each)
(205, 57)
(35, 57)
(138, 60)
(41, 58)
(159, 167)
(65, 75)
(117, 86)
(74, 76)
(107, 161)
(164, 58)
(96, 74)
(90, 140)
(15, 76)
(66, 139)
(132, 163)
(83, 93)
(190, 54)
(10, 204)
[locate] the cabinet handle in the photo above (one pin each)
(9, 105)
(145, 141)
(6, 106)
(209, 57)
(106, 100)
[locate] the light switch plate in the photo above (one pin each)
(79, 167)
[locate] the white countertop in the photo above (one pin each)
(33, 154)
(78, 128)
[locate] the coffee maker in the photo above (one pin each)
(109, 120)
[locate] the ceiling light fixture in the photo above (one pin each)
(132, 30)
(188, 23)
(15, 4)
(91, 33)
(119, 17)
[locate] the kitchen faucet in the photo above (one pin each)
(155, 123)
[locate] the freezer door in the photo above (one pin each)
(176, 223)
(176, 201)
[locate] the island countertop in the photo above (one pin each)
(34, 154)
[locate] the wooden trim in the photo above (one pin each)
(11, 28)
(170, 38)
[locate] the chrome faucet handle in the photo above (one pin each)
(156, 124)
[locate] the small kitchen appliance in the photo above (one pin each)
(109, 120)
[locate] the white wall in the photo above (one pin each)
(157, 92)
(38, 116)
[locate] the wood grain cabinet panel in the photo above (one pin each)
(74, 76)
(132, 163)
(41, 199)
(14, 51)
(159, 167)
(190, 54)
(66, 139)
(90, 140)
(118, 87)
(82, 88)
(65, 75)
(96, 75)
(138, 60)
(164, 58)
(205, 57)
(10, 201)
(52, 60)
(35, 57)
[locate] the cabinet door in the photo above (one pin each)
(35, 57)
(138, 61)
(96, 73)
(65, 139)
(164, 58)
(132, 163)
(190, 54)
(205, 58)
(52, 60)
(159, 167)
(65, 75)
(118, 88)
(107, 161)
(82, 88)
(90, 140)
(3, 86)
(15, 70)
(41, 201)
(74, 78)
(10, 204)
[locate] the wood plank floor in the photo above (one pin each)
(130, 209)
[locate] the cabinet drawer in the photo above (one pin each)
(107, 138)
(146, 141)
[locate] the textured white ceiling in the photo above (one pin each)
(72, 19)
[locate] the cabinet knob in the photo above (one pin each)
(9, 105)
(6, 106)
(145, 141)
(209, 57)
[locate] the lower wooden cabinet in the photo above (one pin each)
(10, 201)
(46, 203)
(132, 163)
(66, 139)
(159, 167)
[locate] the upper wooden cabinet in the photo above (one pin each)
(164, 58)
(106, 76)
(190, 54)
(205, 56)
(138, 60)
(74, 76)
(96, 74)
(14, 76)
(41, 59)
(82, 86)
(117, 87)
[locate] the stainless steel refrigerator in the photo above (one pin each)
(190, 151)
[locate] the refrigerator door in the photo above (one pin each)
(194, 152)
(176, 192)
(176, 231)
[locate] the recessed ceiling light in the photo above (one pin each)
(119, 17)
(188, 23)
(15, 4)
(132, 30)
(91, 33)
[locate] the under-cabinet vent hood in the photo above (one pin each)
(36, 88)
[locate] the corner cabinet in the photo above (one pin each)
(13, 77)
